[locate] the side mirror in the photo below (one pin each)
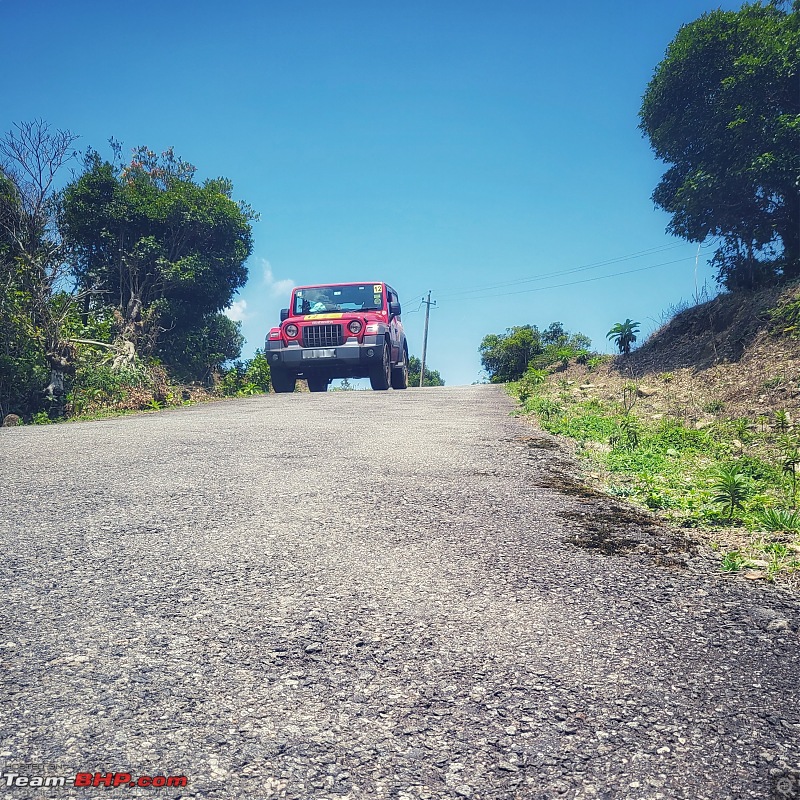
(284, 314)
(394, 309)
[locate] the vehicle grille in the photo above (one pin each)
(322, 336)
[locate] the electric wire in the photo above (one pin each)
(557, 273)
(584, 280)
(571, 270)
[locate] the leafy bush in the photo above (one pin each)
(593, 362)
(545, 407)
(530, 382)
(245, 378)
(671, 433)
(623, 335)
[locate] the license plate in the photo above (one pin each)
(319, 353)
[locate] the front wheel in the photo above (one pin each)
(400, 373)
(316, 383)
(282, 381)
(380, 376)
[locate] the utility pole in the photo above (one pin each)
(428, 305)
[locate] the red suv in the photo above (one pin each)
(342, 330)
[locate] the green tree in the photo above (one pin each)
(166, 251)
(506, 356)
(722, 109)
(36, 296)
(623, 334)
(199, 351)
(432, 377)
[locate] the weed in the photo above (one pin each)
(741, 428)
(629, 396)
(790, 462)
(778, 520)
(627, 434)
(714, 407)
(773, 383)
(545, 407)
(730, 489)
(782, 421)
(732, 561)
(530, 383)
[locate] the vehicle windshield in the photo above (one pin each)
(326, 299)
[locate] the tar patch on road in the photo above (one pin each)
(567, 484)
(540, 443)
(618, 530)
(607, 527)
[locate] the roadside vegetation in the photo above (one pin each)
(432, 376)
(701, 424)
(113, 284)
(711, 451)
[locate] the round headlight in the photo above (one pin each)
(355, 326)
(291, 330)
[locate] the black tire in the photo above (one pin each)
(317, 383)
(282, 381)
(400, 373)
(380, 377)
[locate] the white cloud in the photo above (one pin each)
(277, 288)
(237, 311)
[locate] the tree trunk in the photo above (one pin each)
(54, 391)
(61, 356)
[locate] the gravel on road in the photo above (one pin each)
(371, 595)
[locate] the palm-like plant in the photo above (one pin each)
(730, 489)
(624, 335)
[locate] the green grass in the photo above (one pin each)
(727, 475)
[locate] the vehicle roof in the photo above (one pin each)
(342, 283)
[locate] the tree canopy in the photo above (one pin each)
(723, 110)
(506, 356)
(166, 252)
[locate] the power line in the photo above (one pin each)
(572, 270)
(585, 280)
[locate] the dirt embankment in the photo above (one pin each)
(726, 358)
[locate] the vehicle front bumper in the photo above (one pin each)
(350, 354)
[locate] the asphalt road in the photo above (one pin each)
(370, 595)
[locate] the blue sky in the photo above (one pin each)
(448, 145)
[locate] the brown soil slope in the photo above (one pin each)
(723, 358)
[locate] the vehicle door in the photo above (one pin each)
(395, 327)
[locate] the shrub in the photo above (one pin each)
(245, 378)
(627, 434)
